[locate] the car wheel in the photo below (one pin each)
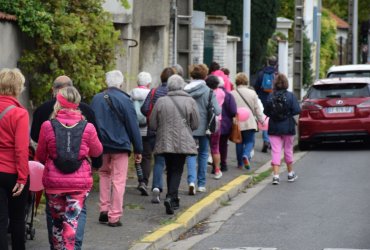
(303, 145)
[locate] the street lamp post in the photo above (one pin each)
(246, 36)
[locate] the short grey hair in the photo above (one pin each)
(175, 82)
(114, 78)
(61, 82)
(179, 69)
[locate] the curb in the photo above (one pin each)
(192, 215)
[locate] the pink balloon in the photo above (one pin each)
(265, 125)
(36, 172)
(243, 114)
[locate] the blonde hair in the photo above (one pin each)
(11, 82)
(241, 79)
(71, 94)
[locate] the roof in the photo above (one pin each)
(350, 67)
(341, 24)
(343, 80)
(7, 17)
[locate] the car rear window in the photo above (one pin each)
(338, 91)
(349, 74)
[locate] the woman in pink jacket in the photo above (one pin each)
(65, 144)
(14, 141)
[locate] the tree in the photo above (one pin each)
(71, 37)
(263, 22)
(328, 51)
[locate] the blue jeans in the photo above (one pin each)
(159, 163)
(265, 136)
(202, 158)
(245, 148)
(80, 227)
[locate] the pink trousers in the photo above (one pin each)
(112, 184)
(278, 142)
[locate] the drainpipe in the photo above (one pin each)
(174, 27)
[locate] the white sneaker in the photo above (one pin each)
(202, 189)
(155, 196)
(192, 189)
(217, 175)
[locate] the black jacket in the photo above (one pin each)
(43, 112)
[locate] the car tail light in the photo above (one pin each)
(310, 106)
(365, 104)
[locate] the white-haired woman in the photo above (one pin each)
(13, 159)
(138, 96)
(174, 117)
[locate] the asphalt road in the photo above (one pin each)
(327, 208)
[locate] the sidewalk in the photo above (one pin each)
(141, 218)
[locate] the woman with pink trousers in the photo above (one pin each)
(67, 185)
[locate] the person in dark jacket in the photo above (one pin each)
(42, 114)
(14, 142)
(228, 113)
(146, 109)
(117, 122)
(271, 68)
(281, 129)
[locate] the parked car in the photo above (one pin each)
(353, 70)
(335, 109)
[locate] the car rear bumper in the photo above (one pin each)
(332, 130)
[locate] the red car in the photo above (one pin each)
(335, 109)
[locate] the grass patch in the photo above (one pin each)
(260, 177)
(166, 221)
(225, 203)
(133, 206)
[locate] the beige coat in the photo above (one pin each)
(172, 134)
(251, 97)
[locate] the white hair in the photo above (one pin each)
(114, 78)
(175, 82)
(144, 79)
(221, 81)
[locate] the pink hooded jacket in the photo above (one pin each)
(228, 85)
(55, 181)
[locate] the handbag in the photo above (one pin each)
(255, 118)
(235, 135)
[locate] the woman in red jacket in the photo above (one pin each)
(14, 141)
(65, 144)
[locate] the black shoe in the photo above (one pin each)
(175, 203)
(223, 168)
(265, 147)
(168, 205)
(213, 169)
(115, 224)
(143, 189)
(103, 217)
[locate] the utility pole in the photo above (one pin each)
(318, 42)
(298, 48)
(350, 33)
(355, 32)
(246, 36)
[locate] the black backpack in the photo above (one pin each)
(68, 142)
(280, 106)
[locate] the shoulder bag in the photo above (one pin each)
(252, 110)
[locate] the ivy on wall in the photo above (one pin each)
(328, 50)
(71, 37)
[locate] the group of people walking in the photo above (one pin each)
(169, 122)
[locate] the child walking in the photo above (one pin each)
(65, 144)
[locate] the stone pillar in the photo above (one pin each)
(198, 24)
(283, 25)
(219, 25)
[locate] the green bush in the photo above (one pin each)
(328, 51)
(71, 37)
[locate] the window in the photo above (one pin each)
(338, 91)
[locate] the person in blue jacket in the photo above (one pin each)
(281, 107)
(270, 69)
(116, 119)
